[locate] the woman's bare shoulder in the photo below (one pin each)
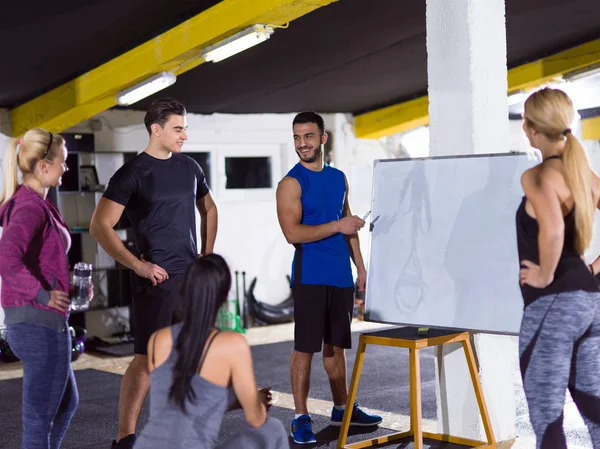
(160, 345)
(542, 176)
(232, 340)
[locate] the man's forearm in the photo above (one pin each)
(208, 231)
(112, 244)
(308, 233)
(355, 254)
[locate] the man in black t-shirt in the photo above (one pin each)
(159, 191)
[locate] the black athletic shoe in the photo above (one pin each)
(124, 443)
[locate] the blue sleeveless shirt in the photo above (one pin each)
(327, 261)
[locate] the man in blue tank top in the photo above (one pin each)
(314, 214)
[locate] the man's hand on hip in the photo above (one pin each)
(151, 271)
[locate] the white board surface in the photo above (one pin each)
(443, 249)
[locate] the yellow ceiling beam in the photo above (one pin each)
(393, 119)
(590, 128)
(534, 74)
(176, 50)
(413, 113)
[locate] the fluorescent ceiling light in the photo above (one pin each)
(583, 73)
(146, 88)
(237, 43)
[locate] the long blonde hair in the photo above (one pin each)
(551, 112)
(23, 154)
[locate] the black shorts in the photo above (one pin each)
(322, 314)
(153, 308)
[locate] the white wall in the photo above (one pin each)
(591, 145)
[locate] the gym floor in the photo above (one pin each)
(383, 393)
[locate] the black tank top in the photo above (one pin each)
(571, 272)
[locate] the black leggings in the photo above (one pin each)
(559, 348)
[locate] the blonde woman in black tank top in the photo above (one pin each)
(559, 341)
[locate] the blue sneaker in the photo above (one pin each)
(359, 418)
(302, 430)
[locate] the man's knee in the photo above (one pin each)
(332, 351)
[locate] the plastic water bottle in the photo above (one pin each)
(82, 279)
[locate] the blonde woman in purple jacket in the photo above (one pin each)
(35, 285)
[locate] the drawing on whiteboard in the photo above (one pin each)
(411, 289)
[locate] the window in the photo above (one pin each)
(248, 172)
(70, 179)
(240, 172)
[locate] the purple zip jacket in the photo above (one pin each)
(33, 259)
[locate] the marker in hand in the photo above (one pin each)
(366, 215)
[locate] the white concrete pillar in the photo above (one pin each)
(466, 54)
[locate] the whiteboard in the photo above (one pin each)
(443, 250)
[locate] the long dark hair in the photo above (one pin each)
(205, 289)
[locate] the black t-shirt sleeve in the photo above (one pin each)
(201, 185)
(121, 186)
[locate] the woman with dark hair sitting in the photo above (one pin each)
(198, 373)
